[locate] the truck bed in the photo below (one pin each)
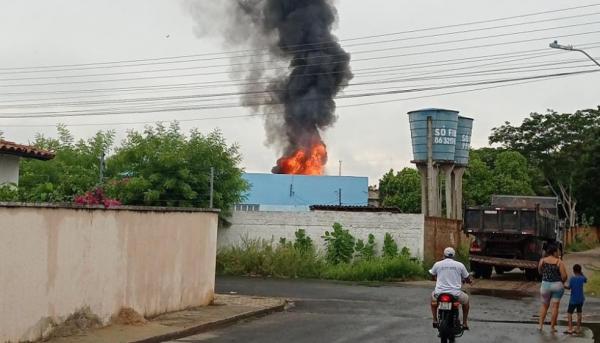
(504, 262)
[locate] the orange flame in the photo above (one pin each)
(304, 161)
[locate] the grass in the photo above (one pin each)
(283, 260)
(592, 287)
(375, 269)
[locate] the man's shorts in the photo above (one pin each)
(573, 307)
(463, 298)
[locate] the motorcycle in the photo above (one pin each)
(449, 326)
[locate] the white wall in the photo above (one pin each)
(407, 229)
(9, 169)
(55, 261)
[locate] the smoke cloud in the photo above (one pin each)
(294, 66)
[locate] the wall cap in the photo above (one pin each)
(102, 208)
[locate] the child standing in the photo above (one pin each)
(575, 284)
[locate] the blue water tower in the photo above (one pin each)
(463, 141)
(444, 126)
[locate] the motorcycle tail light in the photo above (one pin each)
(456, 305)
(445, 298)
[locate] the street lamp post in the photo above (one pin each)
(555, 45)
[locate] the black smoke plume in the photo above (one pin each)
(295, 69)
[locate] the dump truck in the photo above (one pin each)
(512, 233)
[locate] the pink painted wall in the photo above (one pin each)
(55, 261)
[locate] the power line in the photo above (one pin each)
(280, 113)
(349, 39)
(175, 109)
(344, 58)
(408, 65)
(272, 61)
(220, 96)
(365, 59)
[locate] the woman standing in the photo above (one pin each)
(554, 274)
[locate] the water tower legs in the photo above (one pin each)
(447, 169)
(457, 192)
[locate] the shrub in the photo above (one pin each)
(340, 245)
(303, 243)
(390, 248)
(300, 259)
(365, 251)
(462, 255)
(262, 258)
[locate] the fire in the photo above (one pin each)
(304, 161)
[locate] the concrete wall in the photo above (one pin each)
(9, 169)
(407, 229)
(56, 261)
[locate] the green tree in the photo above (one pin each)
(496, 171)
(163, 167)
(554, 143)
(402, 190)
(588, 188)
(73, 171)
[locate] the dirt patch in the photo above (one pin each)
(77, 324)
(128, 316)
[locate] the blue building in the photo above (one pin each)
(276, 192)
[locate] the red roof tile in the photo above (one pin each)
(11, 148)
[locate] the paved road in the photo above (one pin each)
(342, 312)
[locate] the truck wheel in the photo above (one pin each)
(531, 274)
(476, 268)
(486, 271)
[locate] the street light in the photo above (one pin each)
(555, 45)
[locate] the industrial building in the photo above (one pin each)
(279, 192)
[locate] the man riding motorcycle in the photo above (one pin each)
(449, 276)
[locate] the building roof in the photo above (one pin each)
(11, 148)
(346, 208)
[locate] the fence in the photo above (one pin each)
(590, 235)
(441, 233)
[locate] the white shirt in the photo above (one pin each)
(450, 275)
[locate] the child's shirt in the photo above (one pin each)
(576, 284)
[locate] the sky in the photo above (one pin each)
(57, 57)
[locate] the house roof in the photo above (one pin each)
(11, 148)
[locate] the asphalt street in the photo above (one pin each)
(345, 312)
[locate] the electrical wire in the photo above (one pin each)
(280, 113)
(224, 96)
(278, 61)
(344, 58)
(189, 108)
(349, 39)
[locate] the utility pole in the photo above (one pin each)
(102, 163)
(212, 185)
(340, 173)
(340, 196)
(555, 45)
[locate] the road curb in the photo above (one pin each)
(194, 330)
